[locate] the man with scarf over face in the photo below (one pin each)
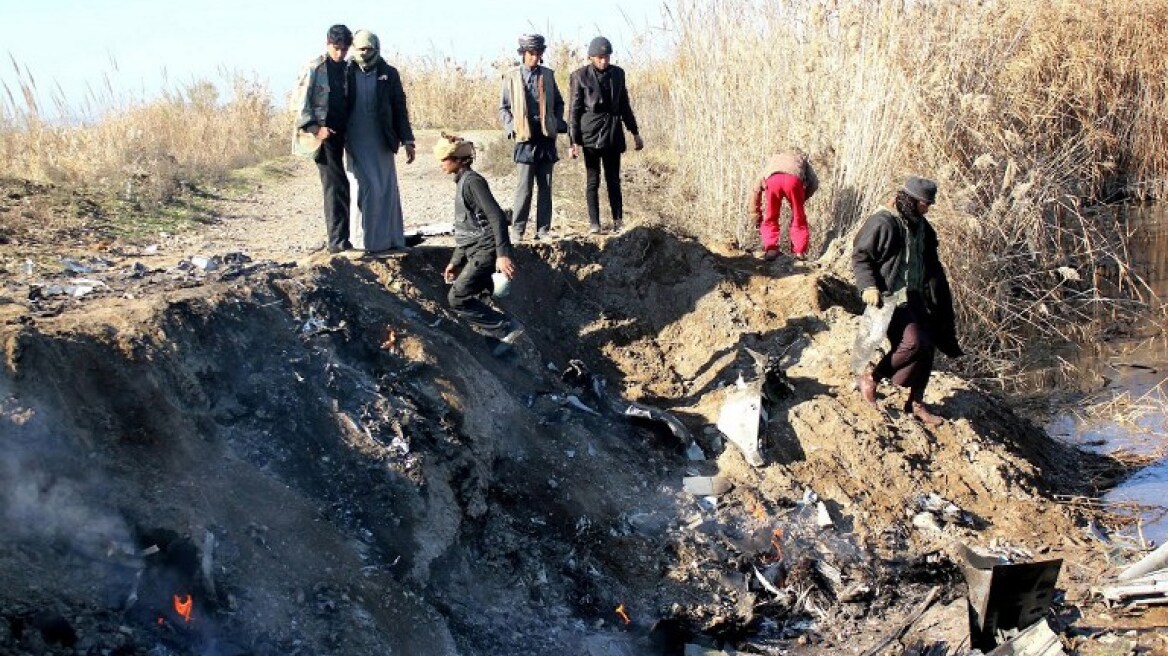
(379, 124)
(320, 130)
(895, 260)
(599, 113)
(532, 112)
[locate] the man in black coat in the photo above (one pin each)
(599, 112)
(895, 260)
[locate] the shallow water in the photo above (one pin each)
(1136, 372)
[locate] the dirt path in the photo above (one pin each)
(281, 216)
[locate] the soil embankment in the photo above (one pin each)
(324, 461)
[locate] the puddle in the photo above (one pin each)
(1137, 380)
(1137, 423)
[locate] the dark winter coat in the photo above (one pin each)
(478, 219)
(877, 255)
(599, 108)
(391, 104)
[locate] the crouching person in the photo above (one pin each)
(482, 260)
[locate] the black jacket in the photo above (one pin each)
(391, 103)
(877, 254)
(478, 219)
(598, 113)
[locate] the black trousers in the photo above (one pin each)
(330, 161)
(610, 160)
(466, 294)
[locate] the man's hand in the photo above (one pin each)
(574, 151)
(323, 133)
(638, 142)
(506, 266)
(450, 273)
(410, 151)
(871, 297)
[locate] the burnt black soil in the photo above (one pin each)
(325, 461)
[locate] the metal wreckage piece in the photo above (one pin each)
(1005, 598)
(578, 375)
(870, 335)
(1143, 583)
(741, 416)
(743, 412)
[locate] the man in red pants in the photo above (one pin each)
(787, 175)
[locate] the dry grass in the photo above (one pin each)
(144, 150)
(446, 94)
(1028, 114)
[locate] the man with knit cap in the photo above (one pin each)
(482, 259)
(895, 260)
(532, 112)
(599, 112)
(322, 102)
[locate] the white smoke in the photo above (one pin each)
(48, 493)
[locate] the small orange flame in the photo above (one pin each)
(390, 342)
(777, 543)
(757, 510)
(620, 610)
(183, 606)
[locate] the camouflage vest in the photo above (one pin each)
(310, 101)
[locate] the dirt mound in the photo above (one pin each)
(325, 462)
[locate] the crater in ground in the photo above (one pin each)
(327, 462)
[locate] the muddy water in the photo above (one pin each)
(1136, 375)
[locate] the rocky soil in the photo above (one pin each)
(319, 458)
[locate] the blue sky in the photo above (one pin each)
(141, 44)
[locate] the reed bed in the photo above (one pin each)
(1030, 115)
(146, 150)
(446, 94)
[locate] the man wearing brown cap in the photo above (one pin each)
(482, 259)
(895, 260)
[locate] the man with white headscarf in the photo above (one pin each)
(379, 124)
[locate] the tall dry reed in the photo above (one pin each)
(1028, 114)
(143, 149)
(446, 94)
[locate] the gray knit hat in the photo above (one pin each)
(599, 47)
(922, 189)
